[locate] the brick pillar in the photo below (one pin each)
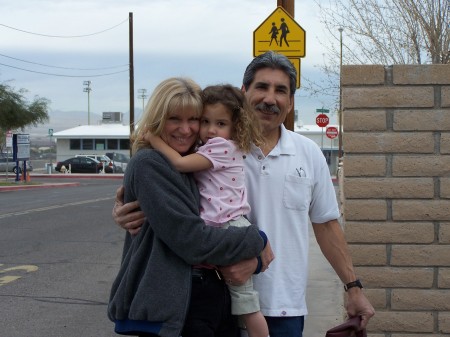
(396, 190)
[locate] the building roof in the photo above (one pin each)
(111, 130)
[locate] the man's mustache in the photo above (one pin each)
(266, 108)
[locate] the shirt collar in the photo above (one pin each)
(284, 146)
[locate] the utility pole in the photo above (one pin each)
(340, 96)
(142, 95)
(130, 28)
(88, 89)
(288, 6)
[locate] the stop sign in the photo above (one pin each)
(332, 132)
(322, 120)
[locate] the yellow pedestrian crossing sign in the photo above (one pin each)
(280, 33)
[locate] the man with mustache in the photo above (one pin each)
(289, 186)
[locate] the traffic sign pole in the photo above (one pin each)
(322, 138)
(288, 5)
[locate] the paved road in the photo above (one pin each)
(59, 252)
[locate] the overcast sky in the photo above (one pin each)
(210, 41)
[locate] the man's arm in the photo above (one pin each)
(331, 240)
(128, 216)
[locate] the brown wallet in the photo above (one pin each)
(349, 328)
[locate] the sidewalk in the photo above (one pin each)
(324, 294)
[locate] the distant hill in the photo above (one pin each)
(60, 120)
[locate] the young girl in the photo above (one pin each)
(227, 131)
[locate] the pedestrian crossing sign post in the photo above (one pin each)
(296, 62)
(280, 33)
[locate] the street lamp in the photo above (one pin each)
(340, 94)
(142, 95)
(88, 90)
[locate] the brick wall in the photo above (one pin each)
(396, 193)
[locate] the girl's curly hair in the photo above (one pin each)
(246, 130)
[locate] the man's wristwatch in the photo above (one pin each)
(353, 284)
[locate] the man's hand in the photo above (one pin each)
(359, 305)
(127, 215)
(239, 273)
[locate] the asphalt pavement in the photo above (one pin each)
(324, 292)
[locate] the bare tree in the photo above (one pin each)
(382, 32)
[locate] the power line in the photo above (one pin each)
(64, 36)
(50, 66)
(61, 75)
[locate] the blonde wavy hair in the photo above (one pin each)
(246, 130)
(176, 93)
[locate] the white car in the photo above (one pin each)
(119, 160)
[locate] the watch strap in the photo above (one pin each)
(356, 283)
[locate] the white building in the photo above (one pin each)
(110, 136)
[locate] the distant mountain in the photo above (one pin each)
(58, 121)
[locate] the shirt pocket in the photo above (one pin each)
(297, 192)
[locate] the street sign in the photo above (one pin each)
(322, 120)
(9, 139)
(50, 132)
(21, 146)
(280, 33)
(325, 111)
(332, 132)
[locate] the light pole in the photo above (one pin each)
(142, 95)
(88, 90)
(340, 94)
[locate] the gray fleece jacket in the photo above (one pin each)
(152, 290)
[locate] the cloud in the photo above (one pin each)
(208, 40)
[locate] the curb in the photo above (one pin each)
(77, 175)
(29, 187)
(58, 177)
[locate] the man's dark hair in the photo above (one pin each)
(272, 60)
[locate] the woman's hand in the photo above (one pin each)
(266, 257)
(128, 216)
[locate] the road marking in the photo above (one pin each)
(10, 278)
(28, 211)
(27, 268)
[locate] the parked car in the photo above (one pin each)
(11, 165)
(120, 161)
(99, 157)
(82, 165)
